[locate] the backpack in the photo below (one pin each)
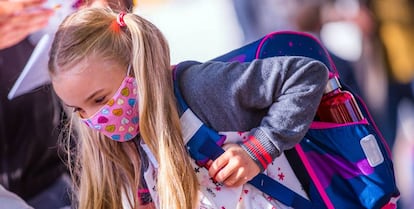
(338, 165)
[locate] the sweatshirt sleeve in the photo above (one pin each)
(275, 99)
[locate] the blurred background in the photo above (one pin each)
(371, 42)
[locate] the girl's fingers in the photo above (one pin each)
(234, 180)
(232, 175)
(224, 175)
(217, 165)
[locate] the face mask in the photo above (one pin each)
(118, 118)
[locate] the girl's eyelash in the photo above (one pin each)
(100, 100)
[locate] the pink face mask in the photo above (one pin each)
(118, 118)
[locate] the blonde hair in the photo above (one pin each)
(105, 169)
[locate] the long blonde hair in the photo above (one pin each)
(105, 169)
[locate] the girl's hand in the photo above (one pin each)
(234, 167)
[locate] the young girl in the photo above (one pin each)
(106, 65)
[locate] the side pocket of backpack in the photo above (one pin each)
(348, 165)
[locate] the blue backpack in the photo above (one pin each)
(345, 166)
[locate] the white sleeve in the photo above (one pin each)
(10, 200)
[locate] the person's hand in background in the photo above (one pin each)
(19, 18)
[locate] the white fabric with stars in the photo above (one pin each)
(216, 196)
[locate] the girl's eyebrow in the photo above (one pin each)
(88, 98)
(69, 105)
(93, 94)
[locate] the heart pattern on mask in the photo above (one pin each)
(120, 101)
(110, 128)
(125, 92)
(131, 102)
(124, 121)
(116, 137)
(128, 136)
(129, 112)
(97, 127)
(105, 111)
(135, 120)
(111, 102)
(102, 119)
(117, 112)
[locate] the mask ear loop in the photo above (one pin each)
(129, 70)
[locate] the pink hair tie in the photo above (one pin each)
(120, 19)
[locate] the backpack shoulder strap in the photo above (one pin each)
(203, 144)
(195, 133)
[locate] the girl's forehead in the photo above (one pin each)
(91, 65)
(90, 72)
(76, 83)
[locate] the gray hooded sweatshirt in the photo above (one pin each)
(274, 99)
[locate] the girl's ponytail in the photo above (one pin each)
(159, 120)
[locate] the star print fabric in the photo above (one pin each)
(214, 195)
